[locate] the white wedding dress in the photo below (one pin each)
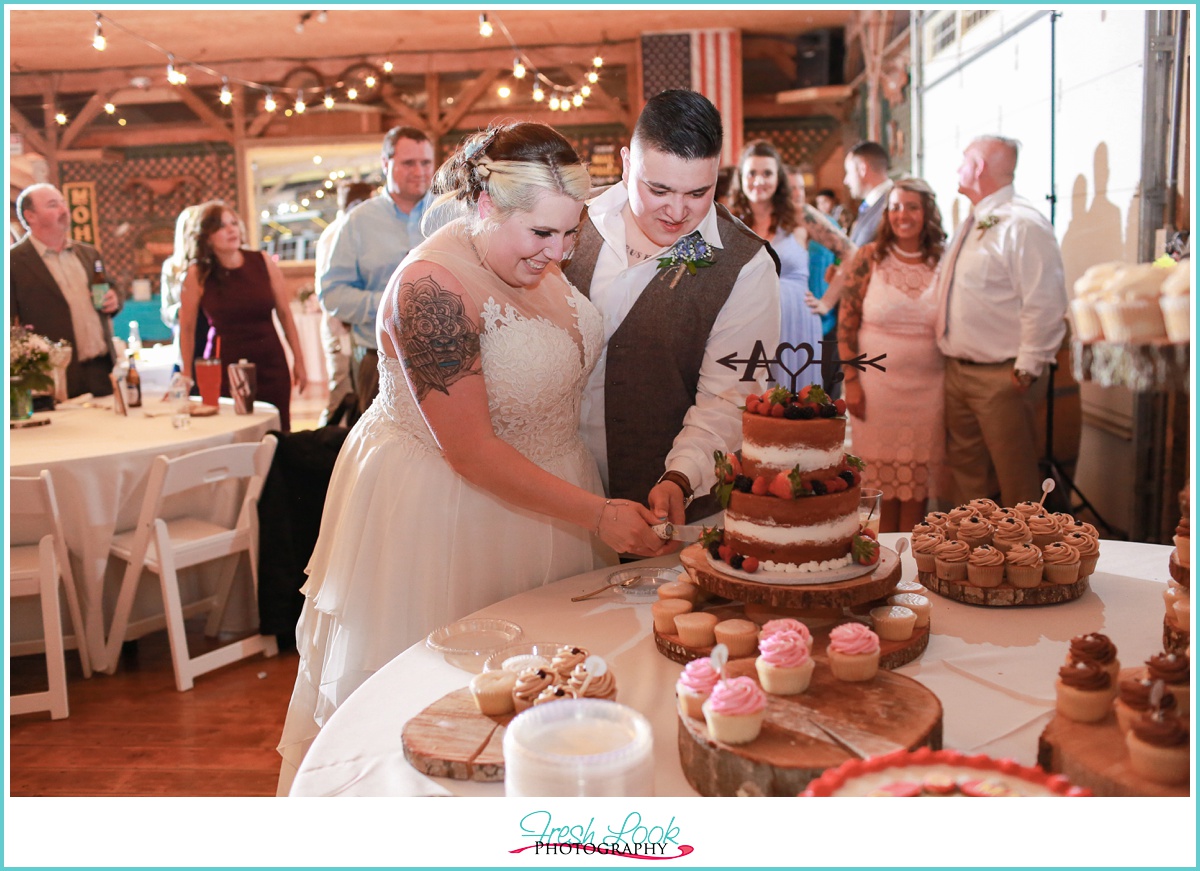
(406, 545)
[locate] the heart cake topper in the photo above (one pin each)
(793, 360)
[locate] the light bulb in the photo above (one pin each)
(564, 105)
(586, 91)
(328, 183)
(98, 41)
(577, 99)
(597, 61)
(554, 102)
(299, 107)
(110, 108)
(60, 118)
(320, 194)
(122, 121)
(593, 77)
(518, 70)
(226, 94)
(322, 17)
(328, 100)
(485, 26)
(269, 103)
(369, 81)
(504, 91)
(317, 159)
(387, 66)
(304, 202)
(265, 215)
(538, 95)
(352, 94)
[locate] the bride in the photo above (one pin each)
(466, 481)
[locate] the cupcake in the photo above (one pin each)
(554, 694)
(664, 612)
(955, 518)
(735, 710)
(1174, 670)
(985, 567)
(907, 586)
(853, 652)
(893, 622)
(1010, 531)
(785, 624)
(1096, 648)
(1129, 311)
(1044, 529)
(1064, 521)
(1000, 513)
(915, 602)
(493, 692)
(1062, 563)
(985, 507)
(1085, 323)
(924, 529)
(950, 560)
(694, 686)
(740, 636)
(1183, 532)
(565, 660)
(695, 629)
(937, 519)
(1133, 700)
(976, 531)
(529, 686)
(922, 548)
(1158, 747)
(784, 665)
(679, 590)
(1083, 692)
(1089, 551)
(601, 686)
(1176, 302)
(1081, 526)
(1023, 566)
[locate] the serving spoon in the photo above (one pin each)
(628, 582)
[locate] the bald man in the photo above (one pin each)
(1001, 320)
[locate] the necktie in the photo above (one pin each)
(862, 207)
(946, 273)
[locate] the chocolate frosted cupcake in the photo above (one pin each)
(1133, 700)
(554, 694)
(1024, 566)
(976, 531)
(985, 566)
(1083, 692)
(1010, 531)
(1028, 509)
(1062, 563)
(1183, 532)
(1158, 747)
(1064, 520)
(1089, 551)
(985, 507)
(1000, 513)
(1044, 529)
(530, 684)
(950, 560)
(1096, 648)
(956, 517)
(925, 529)
(922, 548)
(565, 660)
(938, 519)
(1174, 670)
(602, 686)
(1081, 526)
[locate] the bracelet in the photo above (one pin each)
(681, 481)
(600, 519)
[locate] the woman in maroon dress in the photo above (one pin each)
(238, 289)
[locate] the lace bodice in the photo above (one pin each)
(900, 298)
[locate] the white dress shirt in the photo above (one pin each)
(751, 313)
(73, 281)
(1008, 298)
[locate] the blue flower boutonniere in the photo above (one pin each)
(987, 224)
(688, 254)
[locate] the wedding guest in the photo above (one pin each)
(823, 262)
(666, 327)
(888, 306)
(1001, 320)
(369, 246)
(238, 289)
(466, 481)
(174, 268)
(50, 277)
(828, 204)
(763, 197)
(867, 180)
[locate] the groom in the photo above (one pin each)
(658, 403)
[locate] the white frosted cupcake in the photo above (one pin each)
(915, 602)
(1130, 311)
(1176, 302)
(493, 692)
(784, 665)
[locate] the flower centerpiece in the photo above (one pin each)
(28, 369)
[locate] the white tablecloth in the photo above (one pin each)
(99, 463)
(993, 669)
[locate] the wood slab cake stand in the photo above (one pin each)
(1094, 755)
(1005, 594)
(835, 597)
(886, 713)
(451, 738)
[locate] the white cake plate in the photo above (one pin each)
(829, 576)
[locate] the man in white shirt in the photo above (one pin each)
(659, 403)
(1001, 320)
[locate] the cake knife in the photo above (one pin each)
(678, 533)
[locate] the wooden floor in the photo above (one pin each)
(134, 734)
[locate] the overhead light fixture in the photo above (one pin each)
(504, 91)
(538, 94)
(485, 26)
(226, 94)
(98, 41)
(518, 69)
(328, 105)
(60, 118)
(352, 94)
(269, 103)
(299, 107)
(110, 108)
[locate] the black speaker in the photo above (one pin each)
(819, 58)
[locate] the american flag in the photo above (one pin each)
(708, 61)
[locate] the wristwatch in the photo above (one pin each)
(1024, 378)
(681, 481)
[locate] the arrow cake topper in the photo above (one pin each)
(758, 359)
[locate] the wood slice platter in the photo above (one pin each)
(451, 738)
(1005, 594)
(1175, 640)
(886, 713)
(1094, 755)
(839, 594)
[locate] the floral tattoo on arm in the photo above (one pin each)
(850, 317)
(438, 343)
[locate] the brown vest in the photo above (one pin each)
(654, 357)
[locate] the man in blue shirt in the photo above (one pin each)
(375, 237)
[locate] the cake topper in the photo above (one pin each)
(758, 359)
(595, 667)
(718, 658)
(1047, 489)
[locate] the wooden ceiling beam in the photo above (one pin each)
(614, 106)
(402, 111)
(467, 99)
(215, 122)
(32, 135)
(144, 135)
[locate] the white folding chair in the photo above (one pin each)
(164, 545)
(36, 570)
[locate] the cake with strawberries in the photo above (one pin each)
(791, 499)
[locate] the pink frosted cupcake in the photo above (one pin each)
(694, 686)
(976, 531)
(735, 710)
(1089, 551)
(1023, 566)
(1062, 563)
(784, 664)
(1010, 531)
(853, 652)
(785, 624)
(922, 548)
(950, 559)
(1044, 529)
(985, 567)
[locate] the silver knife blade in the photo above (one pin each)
(678, 533)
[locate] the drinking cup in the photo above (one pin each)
(208, 379)
(869, 504)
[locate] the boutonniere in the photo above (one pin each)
(987, 224)
(687, 254)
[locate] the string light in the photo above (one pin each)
(387, 66)
(98, 41)
(563, 97)
(586, 91)
(174, 76)
(369, 81)
(60, 118)
(110, 108)
(299, 107)
(597, 61)
(352, 94)
(328, 102)
(553, 103)
(226, 94)
(577, 100)
(593, 77)
(504, 91)
(269, 103)
(485, 26)
(538, 94)
(518, 69)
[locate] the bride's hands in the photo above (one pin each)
(625, 527)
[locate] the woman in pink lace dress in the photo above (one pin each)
(888, 307)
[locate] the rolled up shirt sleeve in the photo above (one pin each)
(1035, 264)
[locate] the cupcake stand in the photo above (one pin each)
(1005, 594)
(833, 720)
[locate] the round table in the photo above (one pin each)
(99, 463)
(993, 669)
